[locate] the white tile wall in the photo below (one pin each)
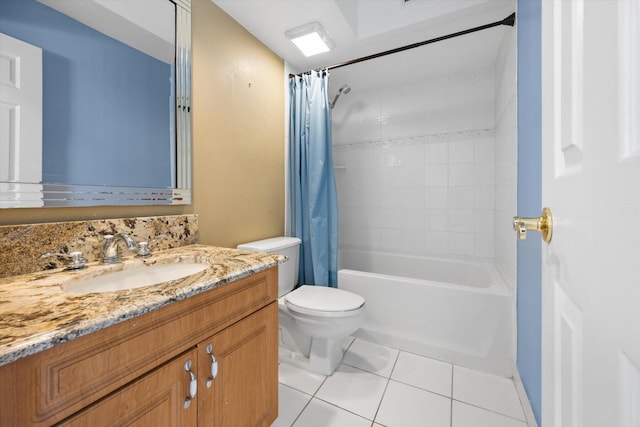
(423, 163)
(506, 160)
(412, 178)
(411, 187)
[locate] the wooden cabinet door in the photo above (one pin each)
(156, 399)
(244, 391)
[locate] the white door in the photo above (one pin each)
(20, 123)
(20, 111)
(591, 182)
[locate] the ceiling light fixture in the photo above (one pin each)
(311, 39)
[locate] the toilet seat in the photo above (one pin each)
(323, 301)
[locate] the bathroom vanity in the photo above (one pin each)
(194, 351)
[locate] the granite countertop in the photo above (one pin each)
(36, 314)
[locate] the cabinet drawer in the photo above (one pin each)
(60, 381)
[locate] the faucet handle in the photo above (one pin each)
(78, 261)
(143, 250)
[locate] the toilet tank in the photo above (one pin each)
(287, 271)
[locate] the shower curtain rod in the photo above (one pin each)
(509, 20)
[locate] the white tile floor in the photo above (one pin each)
(380, 386)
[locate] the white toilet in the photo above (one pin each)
(313, 320)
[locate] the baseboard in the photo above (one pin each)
(524, 399)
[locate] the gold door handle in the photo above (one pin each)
(543, 224)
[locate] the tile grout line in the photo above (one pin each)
(492, 411)
(339, 407)
(409, 384)
(389, 379)
(451, 398)
(482, 407)
(385, 388)
(303, 408)
(417, 354)
(313, 396)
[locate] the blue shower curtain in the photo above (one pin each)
(313, 197)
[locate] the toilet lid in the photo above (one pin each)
(322, 298)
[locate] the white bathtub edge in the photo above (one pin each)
(498, 286)
(524, 399)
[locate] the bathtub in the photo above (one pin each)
(456, 311)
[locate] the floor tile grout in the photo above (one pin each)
(336, 406)
(313, 396)
(489, 410)
(421, 389)
(386, 388)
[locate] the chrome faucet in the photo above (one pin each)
(76, 260)
(110, 249)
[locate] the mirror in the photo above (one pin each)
(96, 102)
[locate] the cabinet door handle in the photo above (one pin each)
(193, 385)
(214, 366)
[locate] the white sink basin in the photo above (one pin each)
(135, 278)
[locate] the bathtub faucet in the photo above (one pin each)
(110, 247)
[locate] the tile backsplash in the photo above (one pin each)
(21, 246)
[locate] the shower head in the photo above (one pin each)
(344, 89)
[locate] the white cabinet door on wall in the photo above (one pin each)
(20, 111)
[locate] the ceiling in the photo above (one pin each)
(364, 27)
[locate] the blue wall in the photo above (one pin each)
(101, 98)
(529, 198)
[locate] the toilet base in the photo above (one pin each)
(324, 357)
(303, 340)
